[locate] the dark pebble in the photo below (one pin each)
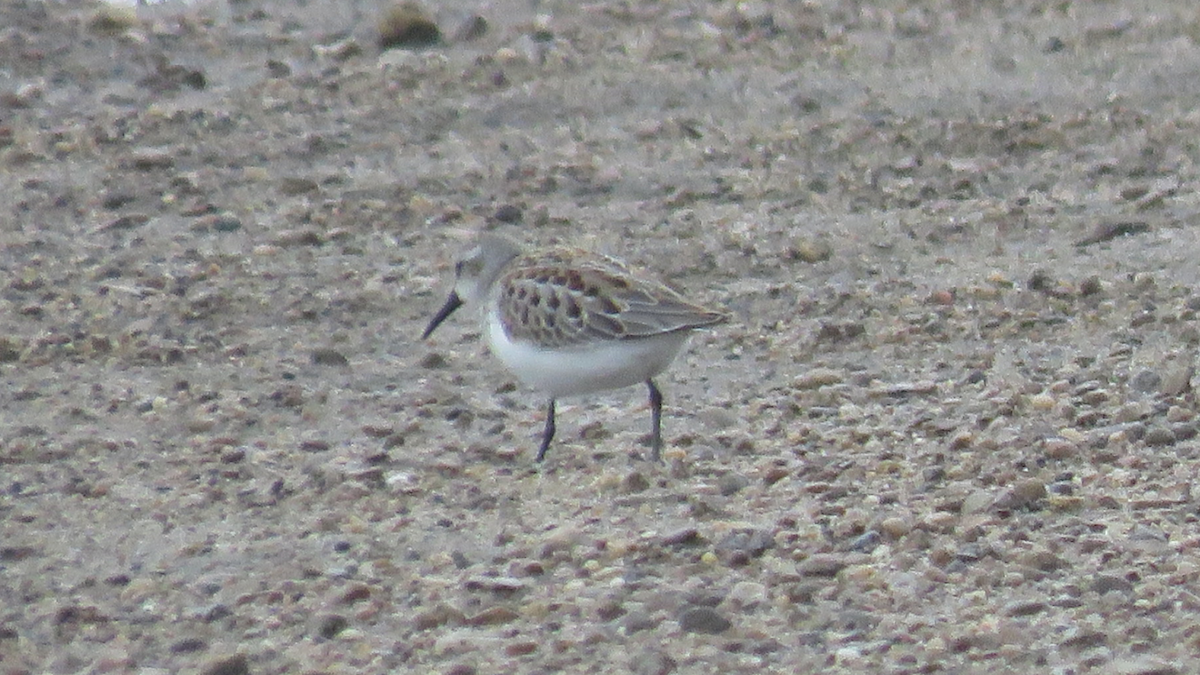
(866, 542)
(404, 25)
(507, 213)
(732, 483)
(329, 357)
(189, 646)
(752, 542)
(1159, 436)
(1184, 431)
(217, 612)
(687, 536)
(1145, 381)
(226, 224)
(1105, 583)
(703, 620)
(332, 625)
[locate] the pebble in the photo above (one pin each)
(1145, 381)
(1158, 436)
(1022, 495)
(1141, 666)
(822, 565)
(703, 620)
(732, 483)
(237, 664)
(148, 159)
(747, 594)
(895, 527)
(331, 625)
(405, 25)
(817, 378)
(493, 616)
(684, 536)
(1105, 583)
(654, 663)
(866, 542)
(1177, 380)
(1025, 608)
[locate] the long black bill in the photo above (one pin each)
(452, 303)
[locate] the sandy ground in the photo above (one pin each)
(951, 429)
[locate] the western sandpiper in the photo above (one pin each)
(567, 322)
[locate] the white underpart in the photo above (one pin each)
(587, 368)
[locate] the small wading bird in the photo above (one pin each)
(568, 322)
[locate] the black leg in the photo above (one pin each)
(548, 433)
(656, 421)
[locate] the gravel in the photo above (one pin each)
(952, 428)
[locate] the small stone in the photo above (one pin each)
(188, 646)
(126, 222)
(1145, 381)
(1022, 495)
(655, 663)
(434, 360)
(823, 565)
(225, 223)
(297, 185)
(1026, 608)
(507, 213)
(329, 357)
(521, 648)
(634, 482)
(1158, 436)
(405, 25)
(473, 28)
(314, 445)
(1177, 380)
(639, 620)
(747, 594)
(112, 19)
(148, 159)
(1141, 666)
(1059, 448)
(739, 546)
(439, 615)
(817, 378)
(1043, 560)
(866, 542)
(977, 502)
(732, 483)
(493, 616)
(895, 527)
(499, 585)
(810, 250)
(331, 625)
(229, 665)
(1106, 583)
(703, 620)
(687, 536)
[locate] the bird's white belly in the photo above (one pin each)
(587, 368)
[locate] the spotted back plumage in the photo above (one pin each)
(566, 296)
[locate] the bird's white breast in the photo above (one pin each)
(583, 368)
